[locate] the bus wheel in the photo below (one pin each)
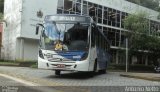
(102, 71)
(95, 67)
(57, 72)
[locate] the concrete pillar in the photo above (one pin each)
(134, 60)
(22, 49)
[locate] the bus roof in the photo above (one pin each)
(68, 18)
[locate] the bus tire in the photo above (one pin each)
(95, 67)
(57, 72)
(102, 71)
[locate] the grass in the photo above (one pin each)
(32, 64)
(132, 68)
(9, 63)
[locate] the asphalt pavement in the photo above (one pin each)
(145, 76)
(9, 85)
(76, 81)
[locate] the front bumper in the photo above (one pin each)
(69, 65)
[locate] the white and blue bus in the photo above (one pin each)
(72, 43)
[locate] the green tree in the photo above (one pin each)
(138, 25)
(1, 6)
(152, 4)
(138, 35)
(1, 9)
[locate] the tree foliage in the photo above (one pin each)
(137, 23)
(1, 9)
(152, 4)
(139, 38)
(1, 6)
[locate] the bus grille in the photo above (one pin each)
(50, 57)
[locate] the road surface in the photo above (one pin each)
(79, 82)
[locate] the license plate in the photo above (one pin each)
(61, 66)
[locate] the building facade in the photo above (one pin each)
(109, 16)
(19, 39)
(21, 43)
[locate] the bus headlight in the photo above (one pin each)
(41, 54)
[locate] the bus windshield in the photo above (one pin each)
(65, 36)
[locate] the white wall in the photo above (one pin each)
(12, 16)
(21, 18)
(30, 49)
(29, 15)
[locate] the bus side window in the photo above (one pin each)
(97, 38)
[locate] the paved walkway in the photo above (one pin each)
(145, 76)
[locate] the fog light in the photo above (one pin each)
(75, 66)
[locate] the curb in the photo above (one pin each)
(141, 77)
(19, 64)
(9, 65)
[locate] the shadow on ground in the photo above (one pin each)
(75, 75)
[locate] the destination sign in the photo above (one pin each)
(68, 18)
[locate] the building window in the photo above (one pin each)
(117, 37)
(105, 31)
(118, 15)
(99, 13)
(92, 11)
(79, 1)
(78, 7)
(59, 11)
(60, 7)
(68, 5)
(100, 28)
(123, 17)
(105, 16)
(60, 4)
(85, 9)
(109, 16)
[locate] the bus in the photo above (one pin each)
(72, 43)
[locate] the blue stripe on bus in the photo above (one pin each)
(72, 55)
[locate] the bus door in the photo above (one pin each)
(93, 53)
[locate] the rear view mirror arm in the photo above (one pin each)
(37, 28)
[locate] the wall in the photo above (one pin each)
(19, 39)
(12, 17)
(29, 15)
(30, 49)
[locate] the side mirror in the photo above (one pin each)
(37, 30)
